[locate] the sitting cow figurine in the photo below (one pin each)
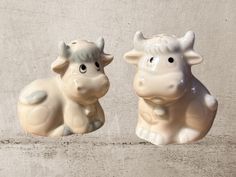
(68, 103)
(174, 107)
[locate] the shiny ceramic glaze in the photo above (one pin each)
(68, 103)
(174, 107)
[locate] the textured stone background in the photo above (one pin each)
(29, 33)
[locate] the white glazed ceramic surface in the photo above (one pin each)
(174, 107)
(68, 103)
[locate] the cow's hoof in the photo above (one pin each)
(90, 127)
(187, 135)
(97, 124)
(94, 125)
(152, 137)
(67, 131)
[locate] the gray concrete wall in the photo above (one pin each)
(29, 33)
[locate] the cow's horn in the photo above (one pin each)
(187, 41)
(100, 43)
(63, 49)
(138, 40)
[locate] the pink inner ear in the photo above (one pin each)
(59, 65)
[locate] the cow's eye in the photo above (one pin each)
(151, 60)
(97, 65)
(170, 60)
(82, 68)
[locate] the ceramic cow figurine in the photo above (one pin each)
(68, 103)
(174, 107)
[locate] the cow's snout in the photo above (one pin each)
(169, 86)
(92, 86)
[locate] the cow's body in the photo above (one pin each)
(68, 103)
(174, 107)
(185, 120)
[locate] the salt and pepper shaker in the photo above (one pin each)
(68, 103)
(174, 107)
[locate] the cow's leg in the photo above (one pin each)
(150, 136)
(75, 119)
(199, 118)
(145, 131)
(85, 121)
(99, 117)
(95, 115)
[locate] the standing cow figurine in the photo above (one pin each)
(68, 103)
(174, 107)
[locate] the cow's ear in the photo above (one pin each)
(192, 57)
(133, 56)
(60, 65)
(106, 59)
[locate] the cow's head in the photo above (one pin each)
(80, 65)
(164, 66)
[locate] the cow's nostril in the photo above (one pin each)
(171, 86)
(140, 82)
(79, 88)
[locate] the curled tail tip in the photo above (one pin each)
(211, 102)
